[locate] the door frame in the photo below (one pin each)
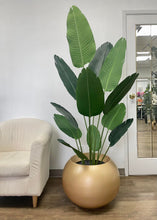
(125, 15)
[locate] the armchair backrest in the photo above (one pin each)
(19, 134)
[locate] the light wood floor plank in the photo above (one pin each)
(137, 200)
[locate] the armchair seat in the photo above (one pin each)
(14, 163)
(24, 157)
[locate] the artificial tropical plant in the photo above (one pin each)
(103, 117)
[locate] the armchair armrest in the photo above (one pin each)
(43, 139)
(40, 161)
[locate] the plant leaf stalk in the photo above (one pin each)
(90, 149)
(103, 144)
(77, 145)
(93, 121)
(85, 122)
(98, 121)
(80, 145)
(98, 155)
(104, 141)
(105, 153)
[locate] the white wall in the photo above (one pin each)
(31, 32)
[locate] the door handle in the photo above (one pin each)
(132, 96)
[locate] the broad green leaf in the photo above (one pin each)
(119, 131)
(93, 138)
(65, 125)
(99, 58)
(80, 38)
(111, 70)
(89, 94)
(114, 117)
(66, 113)
(67, 76)
(119, 92)
(77, 152)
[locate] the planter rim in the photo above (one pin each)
(74, 159)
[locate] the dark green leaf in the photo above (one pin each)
(66, 113)
(99, 58)
(119, 131)
(77, 152)
(119, 92)
(89, 94)
(114, 117)
(93, 138)
(67, 76)
(80, 38)
(111, 70)
(65, 125)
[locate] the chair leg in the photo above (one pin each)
(35, 201)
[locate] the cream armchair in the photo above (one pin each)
(24, 157)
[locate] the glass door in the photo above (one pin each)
(142, 58)
(146, 90)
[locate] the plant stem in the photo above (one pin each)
(100, 137)
(105, 153)
(89, 120)
(102, 133)
(100, 142)
(98, 121)
(93, 120)
(77, 145)
(83, 162)
(104, 141)
(98, 156)
(87, 131)
(93, 154)
(90, 149)
(80, 145)
(80, 149)
(85, 122)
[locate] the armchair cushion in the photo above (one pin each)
(14, 163)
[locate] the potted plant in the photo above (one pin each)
(91, 179)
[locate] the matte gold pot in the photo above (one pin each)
(91, 186)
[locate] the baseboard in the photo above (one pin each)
(58, 172)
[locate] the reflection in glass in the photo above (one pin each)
(146, 66)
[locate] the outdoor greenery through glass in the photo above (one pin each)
(103, 118)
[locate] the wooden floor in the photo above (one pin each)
(137, 200)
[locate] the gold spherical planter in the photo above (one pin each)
(91, 186)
